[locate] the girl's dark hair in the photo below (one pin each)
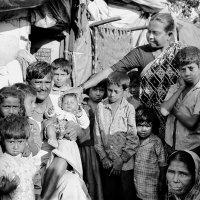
(14, 127)
(186, 158)
(187, 55)
(63, 64)
(38, 70)
(146, 115)
(120, 79)
(26, 89)
(134, 78)
(165, 18)
(102, 84)
(6, 92)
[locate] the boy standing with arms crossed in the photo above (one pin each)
(182, 104)
(116, 139)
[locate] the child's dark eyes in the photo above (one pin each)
(9, 107)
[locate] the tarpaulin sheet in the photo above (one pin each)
(8, 5)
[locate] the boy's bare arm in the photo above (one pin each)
(168, 105)
(188, 121)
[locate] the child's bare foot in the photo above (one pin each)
(53, 142)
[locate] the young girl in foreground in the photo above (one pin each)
(17, 171)
(149, 171)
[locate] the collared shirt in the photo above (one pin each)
(116, 136)
(189, 106)
(148, 159)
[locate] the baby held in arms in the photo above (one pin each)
(70, 110)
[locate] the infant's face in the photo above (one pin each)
(70, 104)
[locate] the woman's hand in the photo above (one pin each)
(77, 90)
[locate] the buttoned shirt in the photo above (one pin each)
(148, 160)
(189, 105)
(116, 136)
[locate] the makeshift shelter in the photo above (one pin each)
(42, 28)
(48, 29)
(113, 41)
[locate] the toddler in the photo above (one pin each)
(17, 171)
(70, 111)
(149, 159)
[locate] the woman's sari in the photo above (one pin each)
(156, 78)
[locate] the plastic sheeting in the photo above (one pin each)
(129, 18)
(9, 5)
(159, 4)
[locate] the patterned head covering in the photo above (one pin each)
(194, 193)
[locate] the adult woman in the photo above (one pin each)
(183, 176)
(153, 61)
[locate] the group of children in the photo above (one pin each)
(121, 156)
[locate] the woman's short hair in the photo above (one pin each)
(187, 55)
(38, 70)
(186, 158)
(120, 79)
(165, 18)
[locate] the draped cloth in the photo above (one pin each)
(194, 193)
(156, 78)
(110, 45)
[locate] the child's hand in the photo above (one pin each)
(7, 186)
(50, 112)
(78, 112)
(181, 83)
(107, 163)
(49, 121)
(27, 152)
(117, 166)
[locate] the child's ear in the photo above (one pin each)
(126, 93)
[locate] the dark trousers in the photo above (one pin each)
(118, 187)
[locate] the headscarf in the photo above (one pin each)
(194, 193)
